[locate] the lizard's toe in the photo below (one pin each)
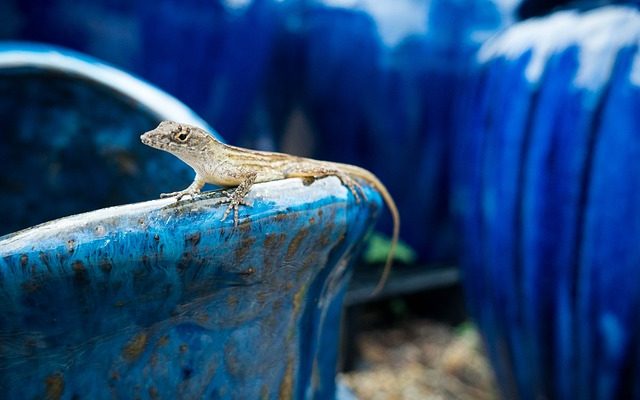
(172, 194)
(179, 195)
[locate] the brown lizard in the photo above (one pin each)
(229, 166)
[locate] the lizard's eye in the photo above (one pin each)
(182, 135)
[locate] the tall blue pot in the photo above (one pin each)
(548, 191)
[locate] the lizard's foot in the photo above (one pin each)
(234, 201)
(180, 194)
(192, 190)
(353, 186)
(236, 197)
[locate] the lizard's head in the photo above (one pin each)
(182, 140)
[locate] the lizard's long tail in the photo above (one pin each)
(380, 187)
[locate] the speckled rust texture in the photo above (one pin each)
(169, 302)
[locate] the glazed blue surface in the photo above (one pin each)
(374, 81)
(548, 197)
(163, 300)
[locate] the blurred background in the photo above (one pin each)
(506, 131)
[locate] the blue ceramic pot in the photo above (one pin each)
(155, 299)
(378, 83)
(158, 300)
(549, 196)
(69, 136)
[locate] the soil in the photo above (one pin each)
(421, 359)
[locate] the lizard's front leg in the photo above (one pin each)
(236, 197)
(192, 190)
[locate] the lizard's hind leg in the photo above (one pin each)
(236, 197)
(320, 172)
(351, 184)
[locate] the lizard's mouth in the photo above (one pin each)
(146, 138)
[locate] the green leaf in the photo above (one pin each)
(378, 246)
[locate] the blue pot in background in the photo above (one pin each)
(377, 86)
(213, 56)
(69, 136)
(547, 189)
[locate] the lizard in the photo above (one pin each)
(229, 166)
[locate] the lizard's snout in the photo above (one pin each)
(154, 139)
(147, 139)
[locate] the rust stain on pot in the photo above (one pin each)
(114, 377)
(234, 366)
(286, 386)
(44, 258)
(298, 298)
(315, 374)
(341, 239)
(145, 261)
(105, 265)
(153, 393)
(277, 305)
(309, 260)
(202, 318)
(280, 217)
(272, 244)
(325, 236)
(24, 260)
(232, 301)
(79, 271)
(54, 385)
(264, 392)
(135, 347)
(273, 241)
(243, 248)
(163, 341)
(31, 286)
(295, 242)
(261, 297)
(78, 267)
(184, 262)
(245, 226)
(193, 239)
